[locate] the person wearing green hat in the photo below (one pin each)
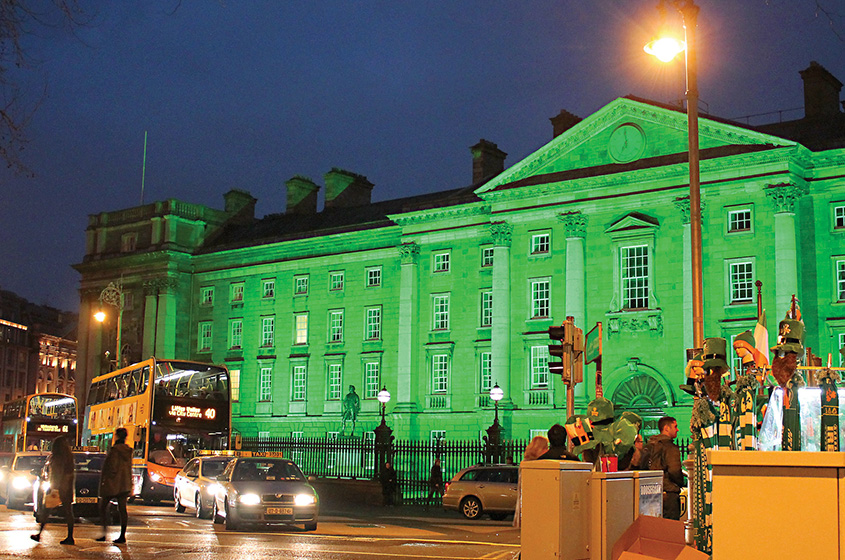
(665, 455)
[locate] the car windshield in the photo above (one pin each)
(266, 470)
(88, 463)
(30, 462)
(213, 468)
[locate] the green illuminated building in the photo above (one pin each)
(438, 297)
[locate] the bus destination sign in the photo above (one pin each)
(49, 428)
(178, 412)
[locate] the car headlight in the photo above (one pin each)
(155, 477)
(45, 485)
(250, 499)
(303, 499)
(21, 482)
(213, 489)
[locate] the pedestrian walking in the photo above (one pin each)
(62, 477)
(435, 484)
(388, 484)
(116, 483)
(664, 455)
(533, 451)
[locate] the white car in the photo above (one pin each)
(196, 484)
(16, 480)
(264, 491)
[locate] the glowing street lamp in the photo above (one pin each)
(112, 295)
(496, 394)
(383, 397)
(666, 49)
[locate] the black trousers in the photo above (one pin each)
(672, 505)
(105, 511)
(66, 507)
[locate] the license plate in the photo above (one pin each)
(86, 500)
(279, 511)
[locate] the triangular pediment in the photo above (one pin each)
(626, 135)
(635, 221)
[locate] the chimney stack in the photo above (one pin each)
(563, 122)
(240, 205)
(301, 195)
(821, 91)
(345, 189)
(487, 160)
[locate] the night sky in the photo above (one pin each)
(246, 94)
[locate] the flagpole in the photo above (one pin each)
(144, 168)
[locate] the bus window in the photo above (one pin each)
(145, 379)
(134, 380)
(111, 389)
(140, 441)
(101, 391)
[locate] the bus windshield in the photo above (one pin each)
(180, 379)
(57, 407)
(171, 448)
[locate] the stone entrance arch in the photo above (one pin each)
(642, 390)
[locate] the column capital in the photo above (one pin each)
(409, 252)
(682, 205)
(159, 285)
(574, 224)
(784, 196)
(501, 232)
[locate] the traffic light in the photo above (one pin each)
(570, 351)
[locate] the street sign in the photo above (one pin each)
(592, 347)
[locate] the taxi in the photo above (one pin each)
(265, 489)
(16, 479)
(88, 463)
(196, 484)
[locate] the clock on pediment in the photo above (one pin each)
(626, 143)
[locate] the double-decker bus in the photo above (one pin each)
(31, 423)
(172, 410)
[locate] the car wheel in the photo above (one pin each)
(178, 502)
(471, 507)
(215, 515)
(231, 524)
(311, 526)
(200, 510)
(498, 516)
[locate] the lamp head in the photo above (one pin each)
(383, 396)
(100, 316)
(496, 393)
(665, 48)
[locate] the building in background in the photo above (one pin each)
(438, 297)
(37, 348)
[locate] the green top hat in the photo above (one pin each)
(632, 417)
(748, 338)
(600, 409)
(714, 353)
(790, 337)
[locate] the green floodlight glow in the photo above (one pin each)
(665, 48)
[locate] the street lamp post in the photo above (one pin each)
(113, 295)
(689, 13)
(494, 432)
(383, 432)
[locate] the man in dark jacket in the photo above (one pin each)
(116, 483)
(557, 445)
(664, 455)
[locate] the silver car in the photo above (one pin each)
(483, 489)
(196, 484)
(264, 491)
(16, 479)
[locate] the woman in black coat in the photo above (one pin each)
(62, 477)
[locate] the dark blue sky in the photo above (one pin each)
(247, 94)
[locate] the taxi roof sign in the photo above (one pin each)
(233, 453)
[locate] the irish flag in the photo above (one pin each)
(761, 340)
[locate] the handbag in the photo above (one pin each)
(52, 499)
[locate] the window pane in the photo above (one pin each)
(840, 280)
(540, 243)
(441, 312)
(336, 326)
(486, 373)
(264, 380)
(487, 256)
(372, 380)
(539, 367)
(298, 383)
(540, 304)
(440, 373)
(742, 281)
(334, 382)
(373, 331)
(486, 308)
(301, 329)
(268, 327)
(635, 289)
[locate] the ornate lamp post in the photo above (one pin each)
(384, 435)
(494, 432)
(666, 49)
(112, 295)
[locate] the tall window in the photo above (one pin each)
(268, 328)
(841, 345)
(485, 365)
(204, 338)
(236, 333)
(839, 217)
(301, 328)
(336, 280)
(335, 372)
(440, 373)
(265, 376)
(840, 280)
(539, 367)
(236, 293)
(268, 288)
(486, 308)
(235, 384)
(336, 326)
(300, 285)
(739, 220)
(487, 256)
(742, 281)
(440, 316)
(373, 276)
(635, 277)
(372, 380)
(128, 242)
(207, 295)
(373, 328)
(540, 243)
(298, 383)
(441, 262)
(540, 298)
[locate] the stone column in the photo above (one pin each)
(408, 320)
(165, 344)
(784, 198)
(150, 312)
(500, 333)
(90, 348)
(575, 281)
(682, 204)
